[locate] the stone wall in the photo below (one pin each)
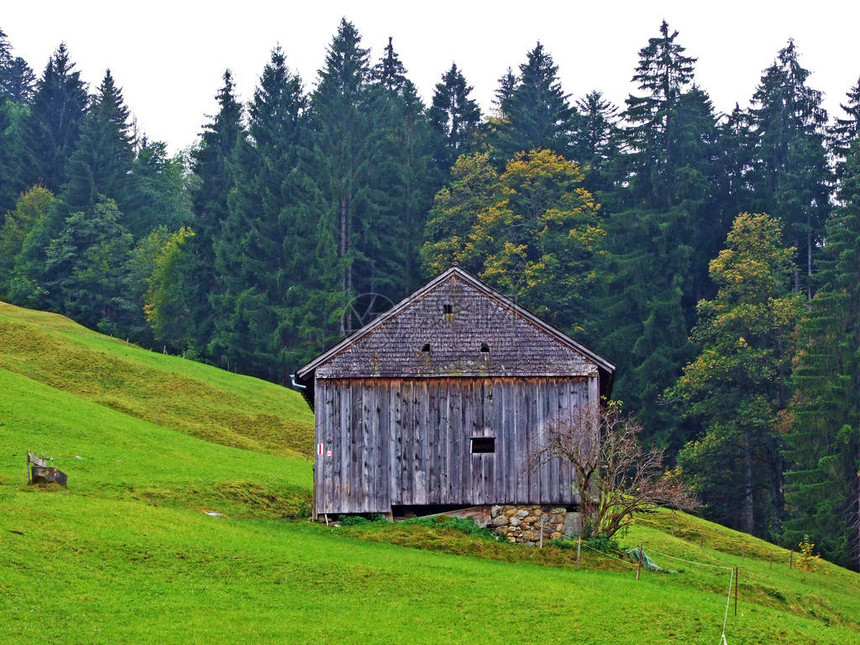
(523, 524)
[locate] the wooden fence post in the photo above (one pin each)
(736, 591)
(578, 547)
(639, 563)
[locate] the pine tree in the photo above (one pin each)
(16, 89)
(454, 117)
(213, 164)
(664, 224)
(54, 123)
(258, 252)
(596, 140)
(822, 486)
(845, 130)
(790, 173)
(404, 177)
(345, 147)
(101, 165)
(738, 383)
(85, 269)
(16, 78)
(536, 112)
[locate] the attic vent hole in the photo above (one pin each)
(447, 309)
(483, 445)
(426, 347)
(485, 347)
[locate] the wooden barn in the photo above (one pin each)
(438, 403)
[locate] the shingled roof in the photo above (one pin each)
(455, 325)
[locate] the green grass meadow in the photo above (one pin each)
(151, 443)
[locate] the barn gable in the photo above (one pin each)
(457, 326)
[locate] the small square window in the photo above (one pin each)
(447, 309)
(483, 445)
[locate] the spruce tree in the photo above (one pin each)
(596, 140)
(101, 165)
(16, 89)
(822, 486)
(454, 117)
(16, 78)
(536, 113)
(790, 173)
(664, 224)
(54, 122)
(345, 147)
(845, 130)
(259, 258)
(404, 177)
(213, 165)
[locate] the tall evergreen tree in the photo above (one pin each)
(348, 140)
(738, 384)
(259, 257)
(16, 78)
(213, 164)
(664, 223)
(454, 117)
(822, 485)
(845, 130)
(85, 269)
(736, 150)
(101, 164)
(536, 112)
(790, 172)
(596, 140)
(404, 176)
(54, 122)
(16, 89)
(663, 74)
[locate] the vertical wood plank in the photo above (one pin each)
(408, 423)
(468, 421)
(510, 430)
(381, 490)
(519, 420)
(458, 451)
(432, 416)
(396, 437)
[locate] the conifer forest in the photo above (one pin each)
(715, 258)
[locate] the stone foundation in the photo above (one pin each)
(523, 524)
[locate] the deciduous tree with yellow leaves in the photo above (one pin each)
(738, 384)
(532, 232)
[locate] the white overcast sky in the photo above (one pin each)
(168, 56)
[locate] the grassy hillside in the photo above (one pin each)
(196, 399)
(126, 553)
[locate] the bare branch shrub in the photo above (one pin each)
(615, 476)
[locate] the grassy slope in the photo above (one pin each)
(196, 399)
(125, 555)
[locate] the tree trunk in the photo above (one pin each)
(749, 510)
(808, 258)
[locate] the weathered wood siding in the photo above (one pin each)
(408, 441)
